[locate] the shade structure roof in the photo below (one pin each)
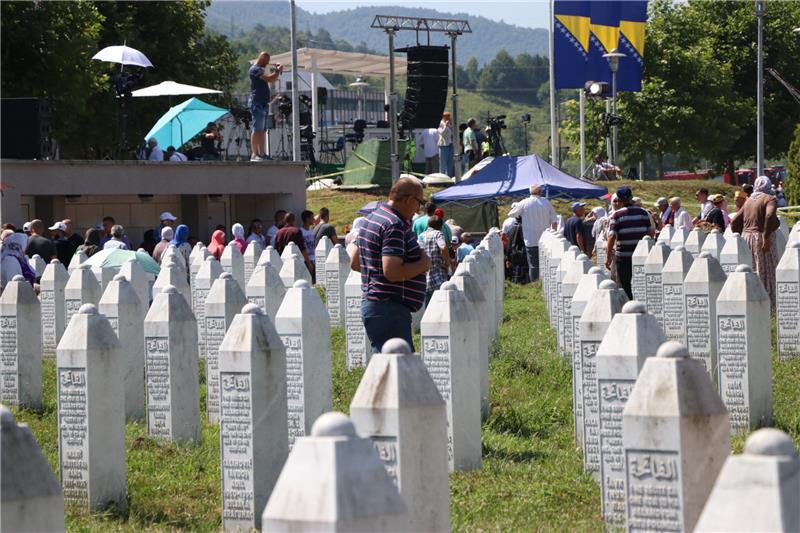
(342, 62)
(513, 176)
(172, 88)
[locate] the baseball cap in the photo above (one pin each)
(58, 226)
(624, 193)
(454, 240)
(26, 226)
(661, 201)
(439, 212)
(166, 215)
(576, 205)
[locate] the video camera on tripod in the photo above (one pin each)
(496, 125)
(610, 120)
(241, 116)
(125, 82)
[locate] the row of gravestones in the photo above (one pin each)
(657, 440)
(90, 355)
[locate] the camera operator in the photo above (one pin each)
(210, 142)
(471, 148)
(259, 100)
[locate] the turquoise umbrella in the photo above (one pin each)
(184, 121)
(115, 258)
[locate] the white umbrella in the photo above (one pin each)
(124, 55)
(171, 88)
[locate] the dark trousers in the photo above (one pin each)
(384, 321)
(533, 262)
(624, 274)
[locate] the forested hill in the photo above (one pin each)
(352, 25)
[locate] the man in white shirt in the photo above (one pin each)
(156, 153)
(509, 222)
(537, 215)
(174, 155)
(705, 205)
(682, 218)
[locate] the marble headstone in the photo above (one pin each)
(560, 245)
(744, 342)
(209, 271)
(51, 295)
(20, 345)
(567, 259)
(673, 301)
(77, 260)
(666, 234)
(694, 242)
(787, 299)
(104, 275)
(37, 264)
(294, 269)
(303, 325)
(232, 261)
(569, 284)
(172, 276)
(486, 262)
(173, 254)
(359, 349)
(713, 244)
(476, 269)
(323, 248)
(81, 288)
(654, 288)
(271, 256)
(638, 259)
(701, 288)
(735, 253)
(121, 305)
(679, 237)
(252, 417)
(337, 268)
(494, 245)
(290, 250)
(266, 289)
(140, 280)
(91, 412)
(398, 407)
(197, 262)
(675, 436)
(250, 257)
(334, 481)
(171, 358)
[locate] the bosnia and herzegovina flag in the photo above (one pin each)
(587, 29)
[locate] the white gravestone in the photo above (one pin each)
(81, 288)
(294, 269)
(567, 259)
(290, 250)
(476, 268)
(91, 412)
(51, 295)
(560, 245)
(673, 302)
(224, 300)
(701, 288)
(209, 271)
(195, 251)
(606, 301)
(31, 498)
(37, 264)
(485, 259)
(337, 268)
(735, 253)
(794, 235)
(170, 339)
(251, 256)
(121, 305)
(20, 345)
(266, 289)
(398, 407)
(758, 490)
(744, 341)
(450, 351)
(271, 256)
(666, 234)
(600, 251)
(787, 300)
(466, 283)
(140, 280)
(252, 417)
(583, 292)
(323, 248)
(232, 261)
(654, 289)
(173, 254)
(694, 242)
(569, 284)
(632, 337)
(104, 275)
(358, 345)
(494, 245)
(679, 237)
(77, 260)
(172, 276)
(194, 268)
(780, 243)
(676, 436)
(714, 243)
(303, 325)
(544, 255)
(638, 259)
(334, 481)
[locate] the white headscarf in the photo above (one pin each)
(358, 223)
(238, 231)
(762, 186)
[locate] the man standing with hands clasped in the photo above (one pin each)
(392, 266)
(259, 103)
(627, 226)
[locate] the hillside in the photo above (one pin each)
(352, 25)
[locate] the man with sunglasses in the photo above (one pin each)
(392, 266)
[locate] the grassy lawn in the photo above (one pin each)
(531, 479)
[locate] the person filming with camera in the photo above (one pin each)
(259, 103)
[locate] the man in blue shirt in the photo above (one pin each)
(573, 229)
(259, 104)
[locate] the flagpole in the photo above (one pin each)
(296, 156)
(582, 115)
(554, 156)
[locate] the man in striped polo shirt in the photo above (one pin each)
(392, 266)
(626, 228)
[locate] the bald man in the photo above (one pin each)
(259, 103)
(392, 266)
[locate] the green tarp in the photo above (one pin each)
(474, 216)
(369, 165)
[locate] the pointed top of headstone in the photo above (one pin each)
(396, 346)
(252, 309)
(744, 268)
(770, 441)
(705, 254)
(170, 289)
(715, 230)
(211, 258)
(53, 261)
(582, 257)
(607, 284)
(795, 244)
(119, 277)
(333, 424)
(634, 307)
(301, 284)
(18, 277)
(470, 259)
(448, 286)
(672, 349)
(226, 275)
(84, 266)
(88, 309)
(596, 270)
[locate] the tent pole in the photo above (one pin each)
(296, 156)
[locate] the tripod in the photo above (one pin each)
(282, 154)
(240, 136)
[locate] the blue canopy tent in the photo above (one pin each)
(183, 121)
(513, 176)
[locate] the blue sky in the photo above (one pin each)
(525, 13)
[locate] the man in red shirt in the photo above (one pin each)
(290, 233)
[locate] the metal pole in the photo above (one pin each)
(554, 156)
(295, 90)
(582, 118)
(760, 6)
(454, 124)
(315, 105)
(614, 111)
(393, 111)
(609, 153)
(525, 133)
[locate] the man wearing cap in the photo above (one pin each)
(537, 215)
(64, 249)
(705, 204)
(26, 229)
(38, 244)
(626, 228)
(168, 219)
(573, 229)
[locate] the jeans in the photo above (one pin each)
(533, 262)
(624, 274)
(259, 115)
(446, 160)
(384, 321)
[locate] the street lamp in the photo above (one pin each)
(359, 84)
(613, 58)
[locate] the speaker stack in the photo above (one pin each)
(25, 128)
(426, 94)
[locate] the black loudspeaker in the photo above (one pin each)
(322, 96)
(426, 94)
(25, 128)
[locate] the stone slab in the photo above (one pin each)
(20, 345)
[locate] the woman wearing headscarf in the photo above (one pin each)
(91, 244)
(181, 242)
(217, 244)
(167, 233)
(238, 237)
(757, 222)
(13, 261)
